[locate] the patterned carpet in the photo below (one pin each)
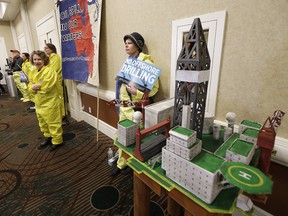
(39, 182)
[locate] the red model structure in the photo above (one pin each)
(266, 140)
(140, 134)
(138, 105)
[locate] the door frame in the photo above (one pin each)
(22, 43)
(3, 57)
(48, 24)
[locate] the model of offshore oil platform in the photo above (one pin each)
(203, 173)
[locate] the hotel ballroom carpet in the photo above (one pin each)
(62, 182)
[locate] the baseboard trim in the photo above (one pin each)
(105, 128)
(92, 90)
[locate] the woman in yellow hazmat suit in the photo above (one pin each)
(18, 64)
(26, 65)
(26, 68)
(133, 46)
(46, 89)
(56, 63)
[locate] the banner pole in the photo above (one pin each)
(97, 118)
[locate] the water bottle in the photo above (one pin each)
(110, 153)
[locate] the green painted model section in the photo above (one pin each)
(251, 124)
(224, 202)
(196, 143)
(156, 176)
(223, 148)
(251, 132)
(183, 131)
(241, 147)
(208, 161)
(209, 144)
(127, 123)
(247, 178)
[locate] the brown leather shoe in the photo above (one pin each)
(45, 141)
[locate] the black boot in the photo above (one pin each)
(45, 141)
(54, 147)
(115, 171)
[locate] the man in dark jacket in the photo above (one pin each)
(17, 61)
(2, 90)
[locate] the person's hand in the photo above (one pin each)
(36, 87)
(131, 89)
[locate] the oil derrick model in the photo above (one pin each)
(192, 75)
(266, 140)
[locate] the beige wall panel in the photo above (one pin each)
(5, 32)
(18, 25)
(253, 70)
(254, 73)
(37, 9)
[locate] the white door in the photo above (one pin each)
(47, 32)
(42, 41)
(3, 56)
(213, 26)
(22, 43)
(53, 38)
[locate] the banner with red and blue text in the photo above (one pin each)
(80, 31)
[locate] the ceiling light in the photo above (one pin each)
(3, 7)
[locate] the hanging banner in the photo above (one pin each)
(142, 74)
(80, 32)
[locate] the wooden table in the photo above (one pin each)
(142, 188)
(143, 185)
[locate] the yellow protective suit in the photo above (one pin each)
(27, 67)
(128, 112)
(22, 86)
(48, 103)
(56, 62)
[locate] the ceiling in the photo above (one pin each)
(9, 9)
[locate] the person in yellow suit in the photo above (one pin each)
(26, 65)
(22, 85)
(45, 86)
(56, 63)
(16, 68)
(134, 43)
(27, 68)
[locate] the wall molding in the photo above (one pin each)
(92, 90)
(103, 127)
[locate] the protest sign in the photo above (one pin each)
(80, 32)
(142, 74)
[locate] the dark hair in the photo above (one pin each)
(26, 54)
(52, 47)
(42, 55)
